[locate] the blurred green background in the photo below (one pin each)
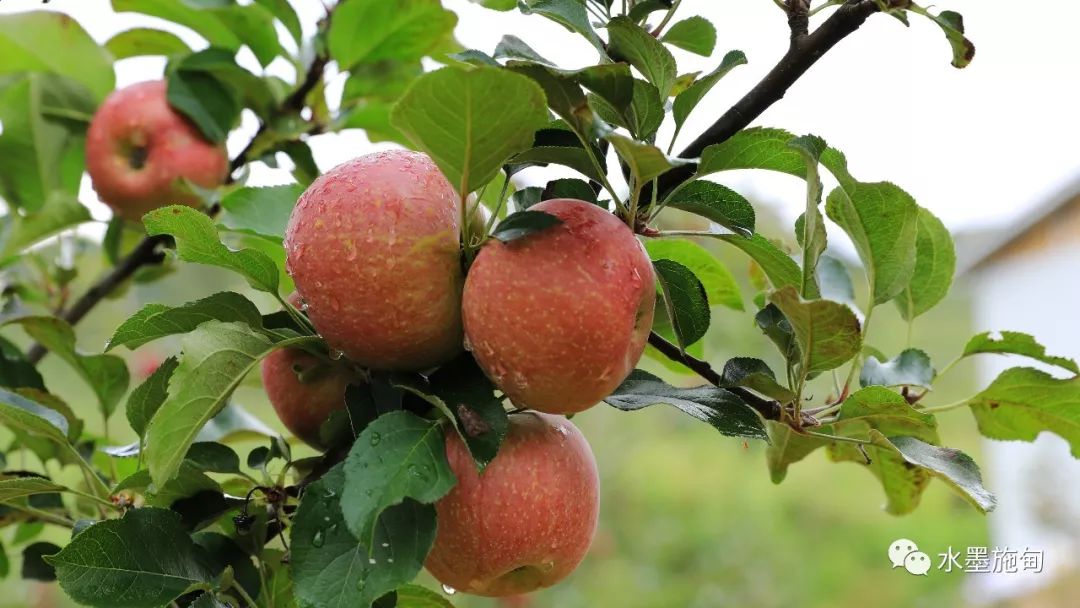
(689, 517)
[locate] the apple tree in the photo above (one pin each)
(435, 326)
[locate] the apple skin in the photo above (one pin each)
(138, 148)
(527, 521)
(303, 406)
(559, 318)
(374, 249)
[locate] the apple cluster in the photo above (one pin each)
(556, 319)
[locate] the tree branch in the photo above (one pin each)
(770, 410)
(147, 253)
(804, 52)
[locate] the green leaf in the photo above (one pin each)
(53, 42)
(471, 122)
(213, 457)
(156, 321)
(205, 100)
(465, 395)
(24, 415)
(145, 400)
(34, 566)
(777, 329)
(718, 407)
(902, 482)
(523, 223)
(689, 99)
(563, 95)
(910, 368)
(398, 456)
(571, 14)
(215, 358)
(15, 370)
(630, 42)
(263, 211)
(781, 270)
(718, 204)
(786, 447)
(415, 596)
(144, 41)
(1016, 343)
(828, 333)
(646, 111)
(21, 487)
(935, 264)
(882, 221)
(569, 188)
(644, 8)
(107, 375)
(695, 34)
(685, 299)
(19, 232)
(720, 286)
(374, 30)
(42, 146)
(954, 467)
(646, 161)
(223, 24)
(119, 563)
(1023, 402)
(952, 24)
(754, 148)
(284, 12)
(189, 481)
(497, 5)
(812, 234)
(197, 241)
(835, 282)
(332, 568)
(577, 158)
(755, 375)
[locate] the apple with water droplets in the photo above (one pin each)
(557, 319)
(304, 390)
(374, 249)
(139, 150)
(527, 520)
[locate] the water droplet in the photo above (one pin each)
(386, 544)
(375, 438)
(330, 493)
(562, 431)
(327, 518)
(318, 540)
(389, 560)
(371, 560)
(465, 343)
(336, 354)
(417, 472)
(448, 590)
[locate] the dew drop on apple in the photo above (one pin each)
(448, 590)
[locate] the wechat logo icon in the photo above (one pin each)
(904, 553)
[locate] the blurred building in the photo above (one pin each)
(1024, 278)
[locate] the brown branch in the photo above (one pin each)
(804, 52)
(770, 410)
(147, 253)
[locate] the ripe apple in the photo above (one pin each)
(374, 249)
(527, 521)
(138, 148)
(559, 318)
(304, 390)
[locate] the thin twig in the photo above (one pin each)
(768, 409)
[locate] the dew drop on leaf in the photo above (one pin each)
(375, 438)
(317, 541)
(448, 590)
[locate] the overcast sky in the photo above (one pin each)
(978, 146)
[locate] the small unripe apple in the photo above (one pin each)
(374, 248)
(138, 149)
(527, 521)
(559, 318)
(304, 391)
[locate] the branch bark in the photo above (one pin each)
(769, 409)
(802, 54)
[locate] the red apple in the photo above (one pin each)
(559, 318)
(374, 249)
(527, 521)
(304, 391)
(138, 148)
